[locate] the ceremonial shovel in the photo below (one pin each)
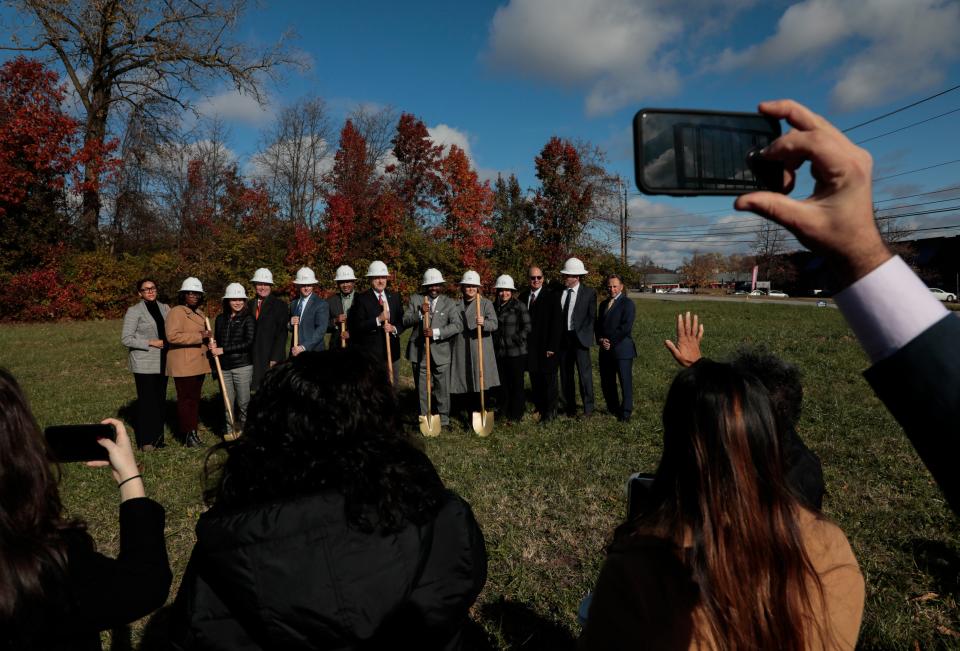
(429, 424)
(232, 434)
(482, 420)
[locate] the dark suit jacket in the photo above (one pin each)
(584, 314)
(270, 335)
(335, 303)
(362, 324)
(617, 326)
(545, 331)
(920, 385)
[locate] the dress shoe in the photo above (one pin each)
(192, 440)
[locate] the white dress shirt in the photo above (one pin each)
(573, 302)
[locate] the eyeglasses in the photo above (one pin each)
(148, 289)
(536, 277)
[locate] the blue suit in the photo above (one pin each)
(616, 324)
(314, 317)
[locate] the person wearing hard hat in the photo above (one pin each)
(340, 304)
(269, 313)
(309, 312)
(510, 345)
(187, 361)
(445, 324)
(232, 342)
(464, 364)
(543, 343)
(578, 303)
(614, 332)
(375, 312)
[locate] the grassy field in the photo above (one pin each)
(548, 497)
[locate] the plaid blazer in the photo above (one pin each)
(510, 339)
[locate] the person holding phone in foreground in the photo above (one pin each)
(910, 337)
(56, 592)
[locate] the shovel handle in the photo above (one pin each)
(223, 385)
(480, 351)
(296, 335)
(426, 345)
(343, 329)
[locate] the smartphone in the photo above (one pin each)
(688, 153)
(69, 443)
(639, 485)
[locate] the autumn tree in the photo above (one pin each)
(362, 215)
(37, 156)
(378, 126)
(293, 156)
(137, 53)
(416, 177)
(769, 248)
(513, 248)
(563, 201)
(699, 269)
(466, 204)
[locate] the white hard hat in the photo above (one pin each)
(377, 269)
(505, 282)
(432, 277)
(235, 290)
(191, 284)
(344, 273)
(305, 276)
(573, 267)
(470, 278)
(262, 275)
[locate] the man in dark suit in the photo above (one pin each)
(270, 336)
(309, 312)
(376, 315)
(579, 306)
(340, 304)
(907, 334)
(614, 329)
(543, 344)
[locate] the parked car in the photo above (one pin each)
(776, 293)
(942, 295)
(680, 290)
(758, 292)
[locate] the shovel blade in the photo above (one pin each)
(231, 436)
(483, 422)
(430, 425)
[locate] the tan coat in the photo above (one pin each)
(643, 596)
(188, 352)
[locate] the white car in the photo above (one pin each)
(758, 292)
(942, 295)
(680, 290)
(776, 293)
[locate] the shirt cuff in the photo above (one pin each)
(888, 308)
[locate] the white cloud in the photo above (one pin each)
(907, 44)
(443, 134)
(233, 106)
(613, 46)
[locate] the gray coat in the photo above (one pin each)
(464, 369)
(139, 328)
(446, 318)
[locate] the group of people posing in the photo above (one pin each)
(540, 331)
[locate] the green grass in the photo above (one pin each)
(548, 497)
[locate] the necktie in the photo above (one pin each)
(259, 303)
(533, 299)
(566, 307)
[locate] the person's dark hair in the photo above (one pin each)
(620, 278)
(721, 488)
(31, 521)
(227, 311)
(327, 421)
(781, 379)
(147, 279)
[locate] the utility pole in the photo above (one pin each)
(622, 200)
(626, 223)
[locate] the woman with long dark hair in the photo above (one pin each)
(328, 526)
(145, 335)
(510, 344)
(232, 342)
(56, 592)
(723, 554)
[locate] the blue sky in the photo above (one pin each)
(504, 77)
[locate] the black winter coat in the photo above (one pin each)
(513, 327)
(295, 575)
(270, 336)
(97, 593)
(235, 336)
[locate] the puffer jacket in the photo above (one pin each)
(294, 575)
(235, 336)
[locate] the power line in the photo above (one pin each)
(909, 126)
(918, 194)
(919, 169)
(902, 108)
